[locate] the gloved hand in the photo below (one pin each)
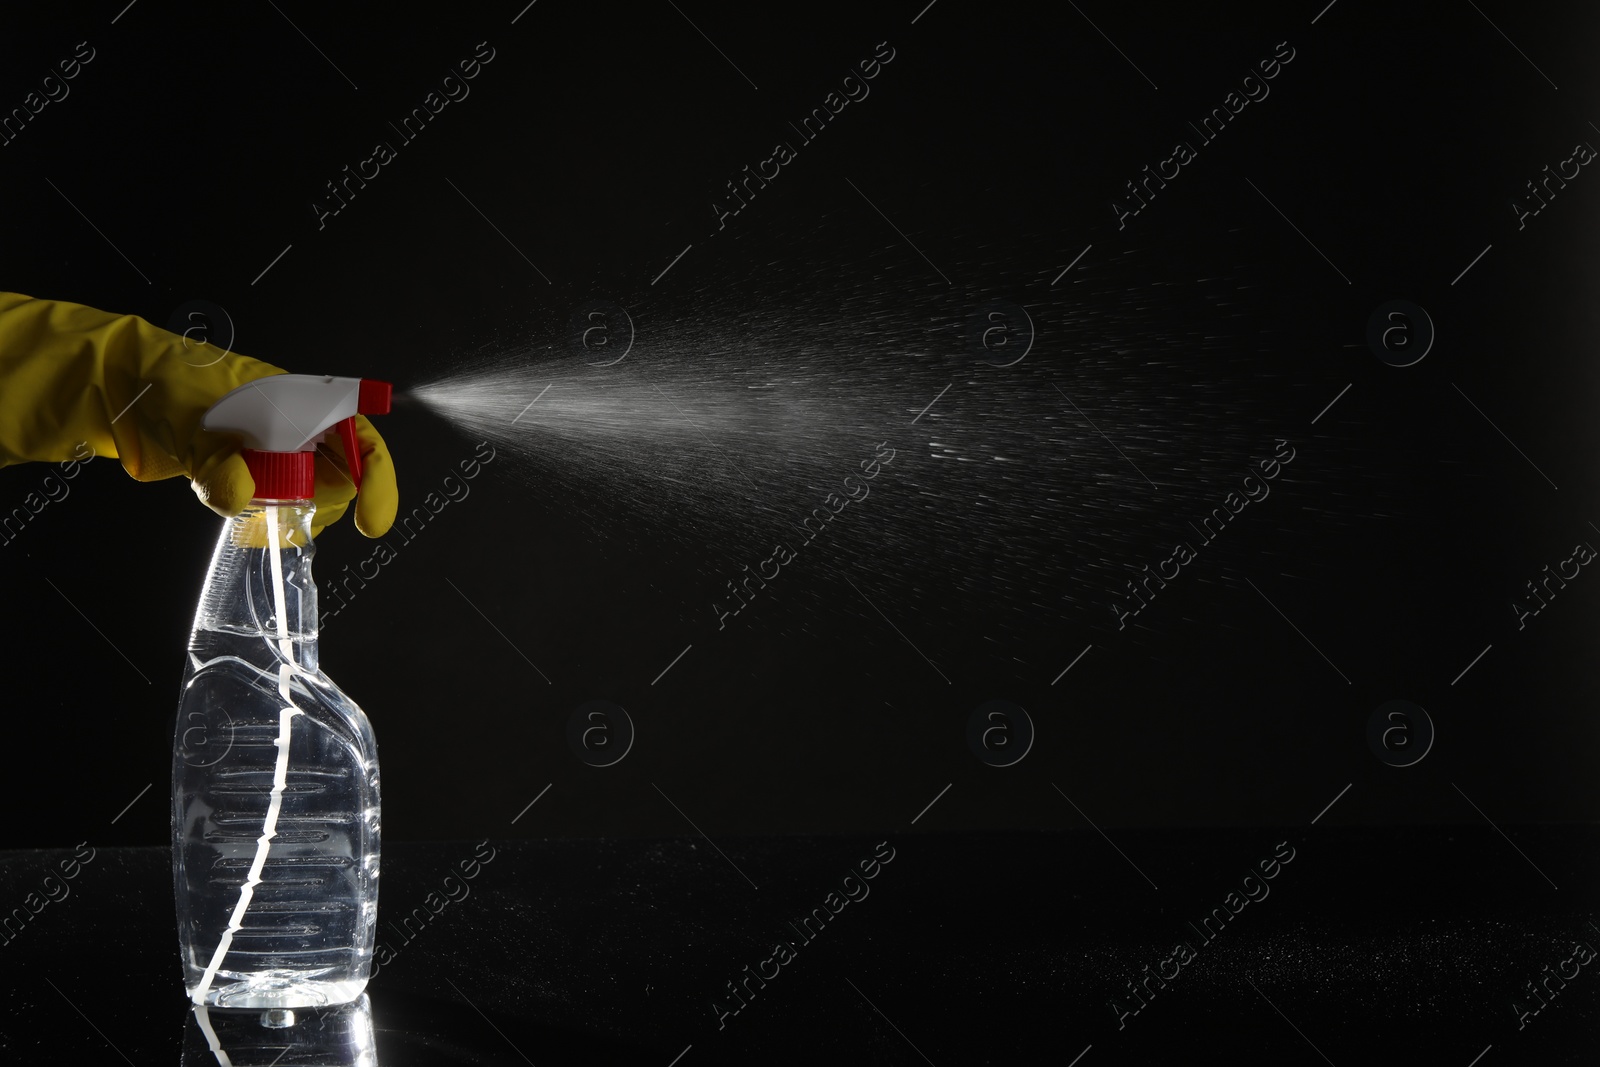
(71, 374)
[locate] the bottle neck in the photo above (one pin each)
(260, 586)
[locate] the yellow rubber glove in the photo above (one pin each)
(70, 374)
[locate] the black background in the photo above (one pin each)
(1396, 139)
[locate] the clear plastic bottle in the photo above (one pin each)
(274, 785)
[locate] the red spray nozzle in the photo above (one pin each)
(375, 397)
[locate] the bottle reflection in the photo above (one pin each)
(325, 1037)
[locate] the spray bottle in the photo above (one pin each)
(275, 770)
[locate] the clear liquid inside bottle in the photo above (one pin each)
(274, 785)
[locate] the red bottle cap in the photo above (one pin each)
(282, 475)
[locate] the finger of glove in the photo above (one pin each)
(327, 516)
(333, 490)
(379, 498)
(224, 484)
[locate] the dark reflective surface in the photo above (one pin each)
(330, 1037)
(1363, 946)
